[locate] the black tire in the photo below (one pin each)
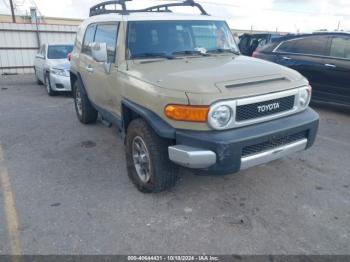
(87, 114)
(49, 90)
(163, 173)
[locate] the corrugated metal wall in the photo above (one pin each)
(19, 43)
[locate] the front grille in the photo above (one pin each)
(266, 108)
(273, 143)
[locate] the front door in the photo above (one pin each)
(337, 71)
(306, 55)
(104, 79)
(87, 68)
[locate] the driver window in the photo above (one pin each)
(107, 33)
(88, 39)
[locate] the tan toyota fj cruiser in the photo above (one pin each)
(182, 95)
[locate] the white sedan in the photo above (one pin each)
(52, 67)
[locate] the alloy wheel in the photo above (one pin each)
(141, 159)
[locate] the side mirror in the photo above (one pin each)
(99, 52)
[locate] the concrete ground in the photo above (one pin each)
(64, 190)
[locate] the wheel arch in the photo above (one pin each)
(46, 73)
(73, 79)
(75, 76)
(131, 111)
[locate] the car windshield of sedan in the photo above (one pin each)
(178, 38)
(59, 51)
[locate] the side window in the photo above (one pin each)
(313, 45)
(286, 47)
(340, 47)
(88, 39)
(107, 33)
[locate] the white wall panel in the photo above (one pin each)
(18, 40)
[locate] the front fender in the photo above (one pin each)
(162, 128)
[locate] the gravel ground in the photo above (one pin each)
(72, 194)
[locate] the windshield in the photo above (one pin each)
(170, 38)
(59, 51)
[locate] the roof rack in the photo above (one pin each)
(101, 8)
(165, 7)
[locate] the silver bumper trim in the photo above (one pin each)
(191, 157)
(273, 154)
(198, 158)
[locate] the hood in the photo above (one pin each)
(64, 66)
(55, 62)
(209, 74)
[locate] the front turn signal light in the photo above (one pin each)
(187, 113)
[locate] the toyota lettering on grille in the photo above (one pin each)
(268, 107)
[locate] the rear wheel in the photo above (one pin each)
(86, 113)
(148, 164)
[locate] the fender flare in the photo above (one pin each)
(162, 128)
(78, 78)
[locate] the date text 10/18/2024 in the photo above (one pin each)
(173, 258)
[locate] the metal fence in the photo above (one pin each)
(20, 42)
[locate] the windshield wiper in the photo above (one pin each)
(153, 55)
(223, 50)
(190, 52)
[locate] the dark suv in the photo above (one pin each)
(248, 43)
(323, 58)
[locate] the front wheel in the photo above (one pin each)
(148, 164)
(49, 90)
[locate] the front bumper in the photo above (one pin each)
(221, 152)
(60, 83)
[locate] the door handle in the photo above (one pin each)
(286, 58)
(330, 65)
(89, 69)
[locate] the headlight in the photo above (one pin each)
(220, 116)
(304, 96)
(59, 72)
